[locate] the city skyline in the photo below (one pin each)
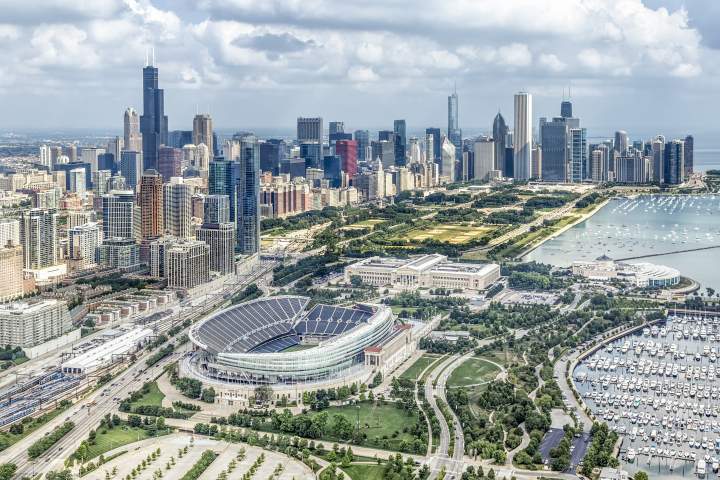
(212, 61)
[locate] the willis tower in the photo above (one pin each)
(153, 122)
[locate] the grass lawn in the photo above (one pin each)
(364, 472)
(451, 233)
(414, 371)
(153, 397)
(472, 371)
(297, 348)
(503, 357)
(111, 439)
(377, 421)
(369, 223)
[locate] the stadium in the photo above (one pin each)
(283, 343)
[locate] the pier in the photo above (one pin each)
(649, 255)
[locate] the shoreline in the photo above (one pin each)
(565, 228)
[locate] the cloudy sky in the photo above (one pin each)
(640, 65)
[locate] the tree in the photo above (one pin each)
(356, 280)
(341, 426)
(263, 394)
(7, 470)
(641, 476)
(61, 475)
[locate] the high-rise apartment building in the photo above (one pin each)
(621, 142)
(433, 154)
(153, 122)
(522, 136)
(150, 199)
(132, 136)
(220, 238)
(674, 163)
(11, 271)
(689, 155)
(177, 208)
(30, 322)
(187, 263)
(83, 242)
(248, 197)
(216, 209)
(38, 236)
(118, 211)
(578, 154)
(9, 231)
(203, 131)
(447, 165)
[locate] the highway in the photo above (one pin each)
(87, 413)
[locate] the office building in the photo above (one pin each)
(248, 197)
(169, 162)
(310, 130)
(362, 137)
(500, 131)
(554, 137)
(76, 180)
(11, 271)
(400, 129)
(332, 170)
(311, 152)
(537, 159)
(131, 167)
(220, 238)
(83, 242)
(566, 110)
(150, 199)
(483, 158)
(38, 236)
(27, 323)
(621, 142)
(658, 156)
(433, 154)
(177, 208)
(67, 167)
(336, 131)
(118, 214)
(522, 136)
(454, 132)
(132, 136)
(153, 122)
(598, 166)
(223, 180)
(447, 165)
(90, 156)
(272, 152)
(347, 150)
(203, 131)
(111, 157)
(180, 138)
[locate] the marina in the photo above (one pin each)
(658, 389)
(646, 225)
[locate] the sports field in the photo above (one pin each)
(471, 372)
(451, 233)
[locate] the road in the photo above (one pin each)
(568, 396)
(87, 413)
(454, 465)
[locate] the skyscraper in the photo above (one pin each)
(400, 129)
(483, 158)
(248, 197)
(454, 132)
(621, 142)
(203, 131)
(523, 136)
(216, 209)
(83, 241)
(689, 154)
(566, 109)
(362, 137)
(447, 166)
(131, 167)
(150, 198)
(578, 154)
(433, 155)
(335, 128)
(132, 135)
(153, 122)
(11, 271)
(177, 208)
(674, 163)
(554, 140)
(169, 162)
(310, 129)
(38, 236)
(500, 131)
(347, 150)
(658, 155)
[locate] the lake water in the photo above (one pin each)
(646, 225)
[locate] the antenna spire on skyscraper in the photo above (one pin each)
(153, 56)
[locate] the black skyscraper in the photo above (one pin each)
(500, 131)
(153, 122)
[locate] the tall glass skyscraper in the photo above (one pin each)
(523, 136)
(153, 122)
(400, 129)
(454, 132)
(248, 194)
(500, 131)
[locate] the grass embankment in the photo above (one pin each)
(414, 371)
(153, 397)
(472, 371)
(364, 472)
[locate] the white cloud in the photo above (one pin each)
(360, 74)
(515, 55)
(551, 62)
